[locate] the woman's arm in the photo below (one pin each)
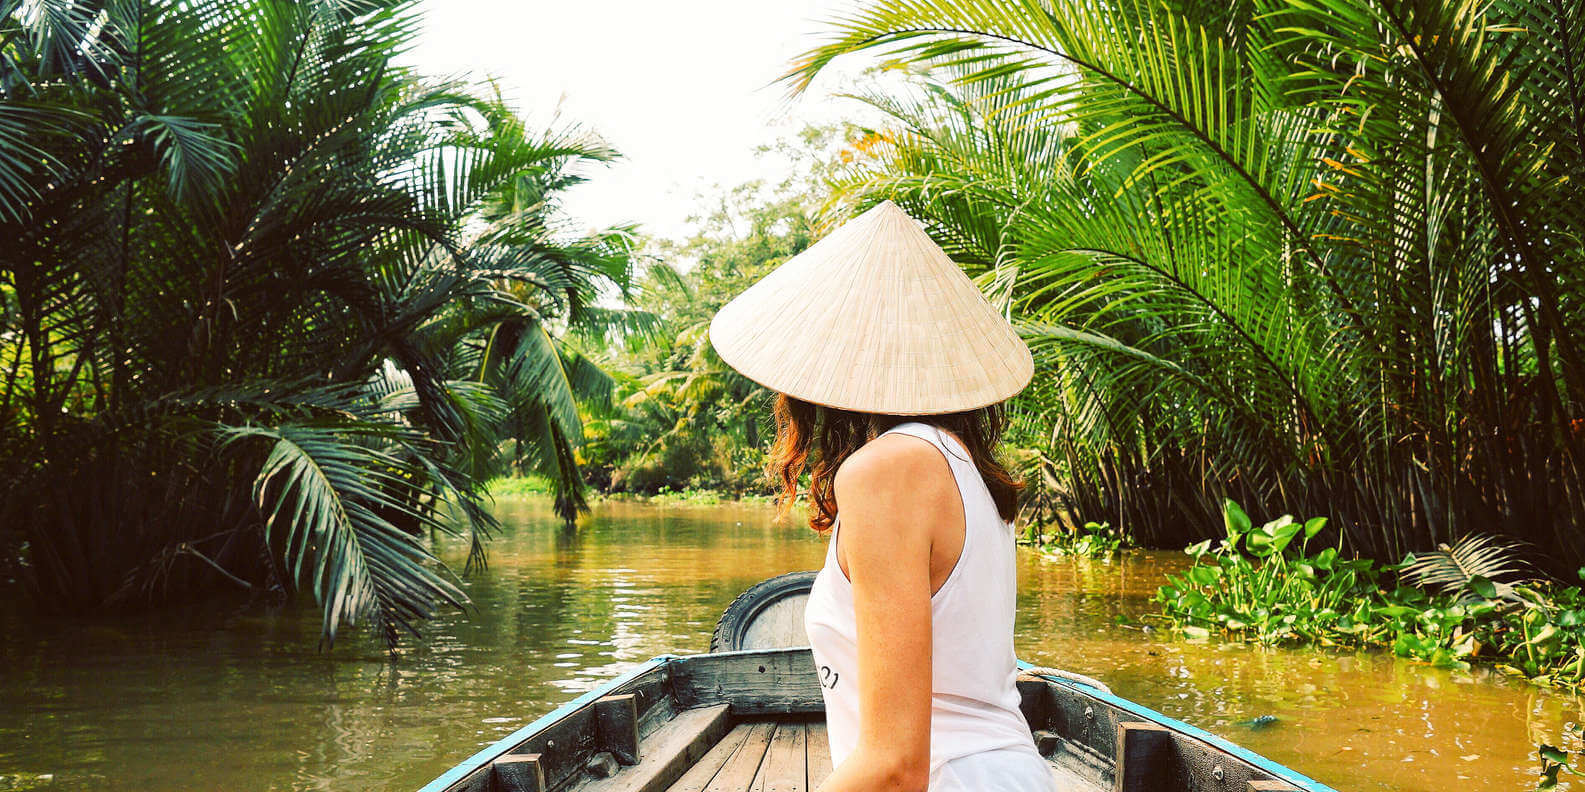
(893, 495)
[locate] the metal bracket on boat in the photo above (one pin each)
(1068, 675)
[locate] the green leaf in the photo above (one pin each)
(1283, 533)
(1313, 526)
(328, 496)
(1235, 520)
(1259, 544)
(1325, 558)
(1543, 635)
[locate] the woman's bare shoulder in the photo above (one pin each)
(894, 466)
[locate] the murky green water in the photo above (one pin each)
(173, 703)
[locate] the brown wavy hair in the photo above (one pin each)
(819, 438)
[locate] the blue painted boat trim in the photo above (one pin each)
(1287, 774)
(510, 741)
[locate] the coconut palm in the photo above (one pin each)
(251, 266)
(1319, 257)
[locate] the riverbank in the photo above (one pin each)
(534, 486)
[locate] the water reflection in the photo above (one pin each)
(167, 703)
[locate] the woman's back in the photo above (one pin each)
(974, 700)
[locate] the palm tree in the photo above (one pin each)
(1318, 257)
(245, 296)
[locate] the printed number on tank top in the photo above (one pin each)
(828, 678)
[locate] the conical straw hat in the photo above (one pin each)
(874, 318)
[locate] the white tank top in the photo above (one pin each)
(974, 698)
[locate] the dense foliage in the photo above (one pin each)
(1316, 256)
(268, 301)
(1468, 602)
(685, 420)
(1090, 540)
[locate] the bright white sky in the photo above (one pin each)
(680, 87)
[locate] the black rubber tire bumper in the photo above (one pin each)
(732, 629)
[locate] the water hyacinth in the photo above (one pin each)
(1265, 585)
(1097, 540)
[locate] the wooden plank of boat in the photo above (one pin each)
(749, 721)
(698, 777)
(740, 769)
(784, 768)
(756, 682)
(819, 759)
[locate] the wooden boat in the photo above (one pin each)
(751, 719)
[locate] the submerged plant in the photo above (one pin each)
(1555, 760)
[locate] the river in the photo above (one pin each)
(209, 698)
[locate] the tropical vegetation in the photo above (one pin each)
(1472, 601)
(684, 420)
(270, 302)
(276, 308)
(1090, 540)
(1318, 257)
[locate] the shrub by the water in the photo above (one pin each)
(519, 486)
(1264, 584)
(1091, 540)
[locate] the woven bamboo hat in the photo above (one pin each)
(874, 318)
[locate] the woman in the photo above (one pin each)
(891, 368)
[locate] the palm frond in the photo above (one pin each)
(1291, 253)
(329, 493)
(1474, 557)
(249, 217)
